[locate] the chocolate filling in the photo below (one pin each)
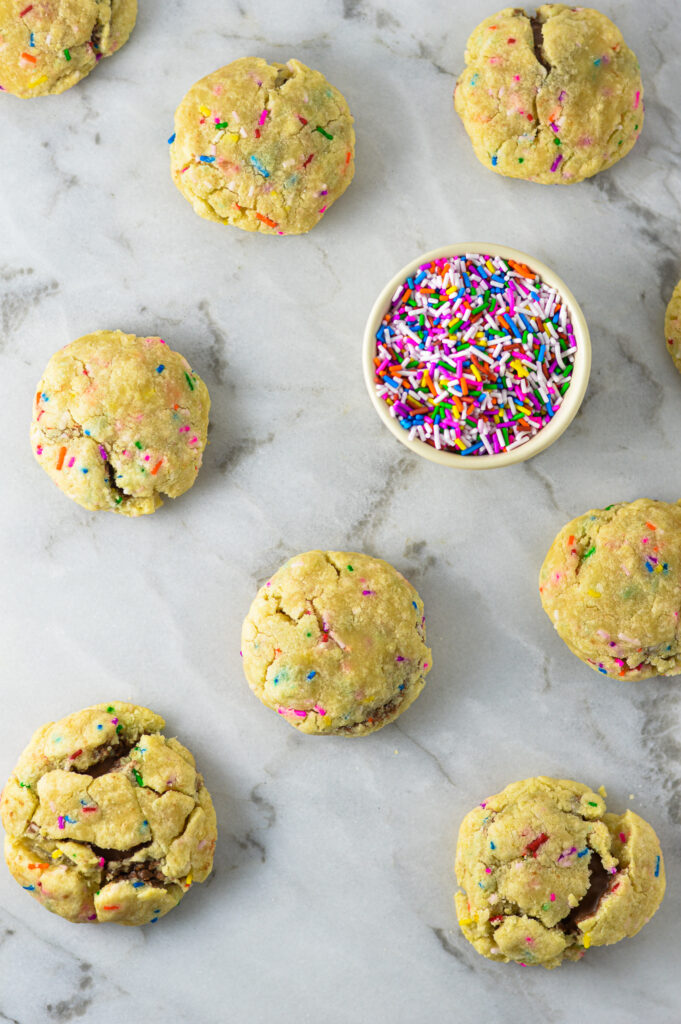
(599, 884)
(107, 759)
(538, 33)
(115, 855)
(148, 871)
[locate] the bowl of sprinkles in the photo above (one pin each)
(476, 356)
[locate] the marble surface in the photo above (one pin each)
(331, 899)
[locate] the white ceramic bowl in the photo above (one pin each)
(573, 396)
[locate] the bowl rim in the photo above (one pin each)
(573, 396)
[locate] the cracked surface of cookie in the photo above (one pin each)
(265, 147)
(546, 873)
(553, 98)
(106, 819)
(672, 326)
(335, 643)
(118, 421)
(49, 45)
(611, 585)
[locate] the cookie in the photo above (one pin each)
(106, 819)
(672, 326)
(610, 585)
(118, 421)
(49, 45)
(546, 873)
(553, 98)
(335, 642)
(266, 147)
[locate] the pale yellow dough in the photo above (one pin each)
(335, 643)
(46, 46)
(611, 585)
(672, 326)
(553, 98)
(119, 421)
(265, 147)
(106, 819)
(546, 873)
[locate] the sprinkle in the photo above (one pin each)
(138, 777)
(637, 101)
(29, 887)
(657, 866)
(103, 452)
(322, 132)
(67, 54)
(26, 10)
(473, 356)
(583, 853)
(137, 885)
(172, 139)
(311, 675)
(368, 593)
(157, 467)
(266, 220)
(207, 159)
(75, 754)
(592, 803)
(589, 553)
(61, 822)
(587, 940)
(113, 906)
(536, 843)
(259, 167)
(62, 456)
(191, 388)
(593, 593)
(263, 118)
(552, 897)
(30, 57)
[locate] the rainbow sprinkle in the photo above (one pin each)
(475, 354)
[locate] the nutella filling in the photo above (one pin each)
(599, 884)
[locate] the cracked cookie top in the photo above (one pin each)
(610, 584)
(335, 643)
(49, 45)
(553, 98)
(266, 147)
(119, 421)
(106, 819)
(672, 326)
(546, 873)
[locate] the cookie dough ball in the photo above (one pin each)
(118, 421)
(553, 98)
(672, 326)
(546, 873)
(611, 586)
(49, 45)
(266, 147)
(106, 819)
(335, 642)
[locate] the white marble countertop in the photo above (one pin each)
(331, 899)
